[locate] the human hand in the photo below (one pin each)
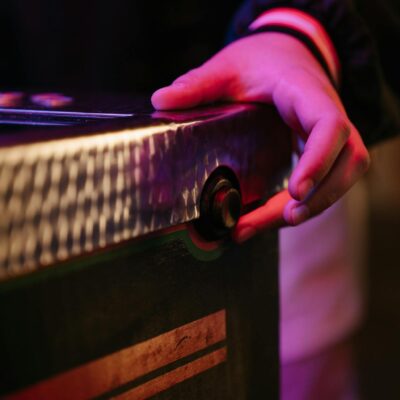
(277, 68)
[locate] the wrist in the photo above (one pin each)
(307, 30)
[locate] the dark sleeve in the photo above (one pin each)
(370, 103)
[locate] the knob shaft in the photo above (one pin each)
(226, 207)
(220, 207)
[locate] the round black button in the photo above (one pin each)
(220, 205)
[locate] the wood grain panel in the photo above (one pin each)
(110, 372)
(175, 376)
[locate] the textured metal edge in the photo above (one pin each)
(68, 197)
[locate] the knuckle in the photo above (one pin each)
(189, 76)
(360, 157)
(341, 124)
(287, 82)
(362, 161)
(281, 87)
(344, 128)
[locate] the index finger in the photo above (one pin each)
(269, 215)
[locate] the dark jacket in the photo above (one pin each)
(366, 36)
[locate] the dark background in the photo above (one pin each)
(132, 45)
(119, 45)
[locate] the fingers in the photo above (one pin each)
(324, 144)
(312, 108)
(269, 215)
(202, 85)
(351, 164)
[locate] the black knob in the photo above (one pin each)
(220, 206)
(225, 207)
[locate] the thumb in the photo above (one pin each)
(202, 85)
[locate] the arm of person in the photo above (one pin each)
(274, 67)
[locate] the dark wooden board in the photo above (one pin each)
(67, 316)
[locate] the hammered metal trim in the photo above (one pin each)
(67, 197)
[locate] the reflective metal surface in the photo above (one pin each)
(64, 193)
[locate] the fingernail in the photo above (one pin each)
(305, 188)
(245, 234)
(299, 214)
